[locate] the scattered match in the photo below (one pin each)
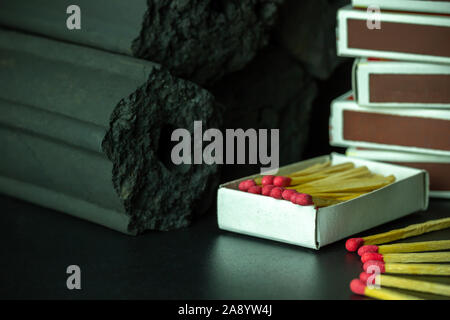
(321, 184)
(422, 246)
(359, 287)
(407, 257)
(353, 244)
(403, 283)
(407, 268)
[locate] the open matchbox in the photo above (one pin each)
(311, 227)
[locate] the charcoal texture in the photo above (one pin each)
(202, 40)
(307, 30)
(272, 92)
(156, 193)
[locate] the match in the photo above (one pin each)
(407, 247)
(321, 184)
(407, 268)
(359, 287)
(353, 244)
(402, 283)
(407, 257)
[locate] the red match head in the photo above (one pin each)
(288, 194)
(281, 181)
(372, 266)
(366, 278)
(255, 189)
(303, 199)
(357, 286)
(267, 180)
(266, 189)
(277, 193)
(367, 248)
(353, 244)
(371, 256)
(246, 184)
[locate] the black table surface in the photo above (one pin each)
(199, 262)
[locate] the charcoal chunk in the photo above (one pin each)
(202, 40)
(156, 193)
(307, 31)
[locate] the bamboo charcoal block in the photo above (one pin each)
(151, 29)
(87, 132)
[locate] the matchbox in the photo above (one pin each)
(311, 227)
(401, 129)
(435, 6)
(438, 167)
(393, 35)
(381, 83)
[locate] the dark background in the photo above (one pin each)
(338, 83)
(199, 262)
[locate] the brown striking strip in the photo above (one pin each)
(399, 37)
(396, 130)
(413, 88)
(439, 173)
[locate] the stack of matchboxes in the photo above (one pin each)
(399, 108)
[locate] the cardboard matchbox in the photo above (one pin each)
(401, 84)
(311, 227)
(399, 129)
(417, 37)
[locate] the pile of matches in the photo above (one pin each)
(321, 184)
(413, 258)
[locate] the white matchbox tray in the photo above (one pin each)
(307, 226)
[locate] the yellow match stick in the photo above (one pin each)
(403, 283)
(406, 247)
(304, 172)
(407, 268)
(359, 287)
(312, 169)
(407, 257)
(285, 181)
(338, 176)
(413, 230)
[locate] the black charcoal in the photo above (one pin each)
(198, 40)
(61, 105)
